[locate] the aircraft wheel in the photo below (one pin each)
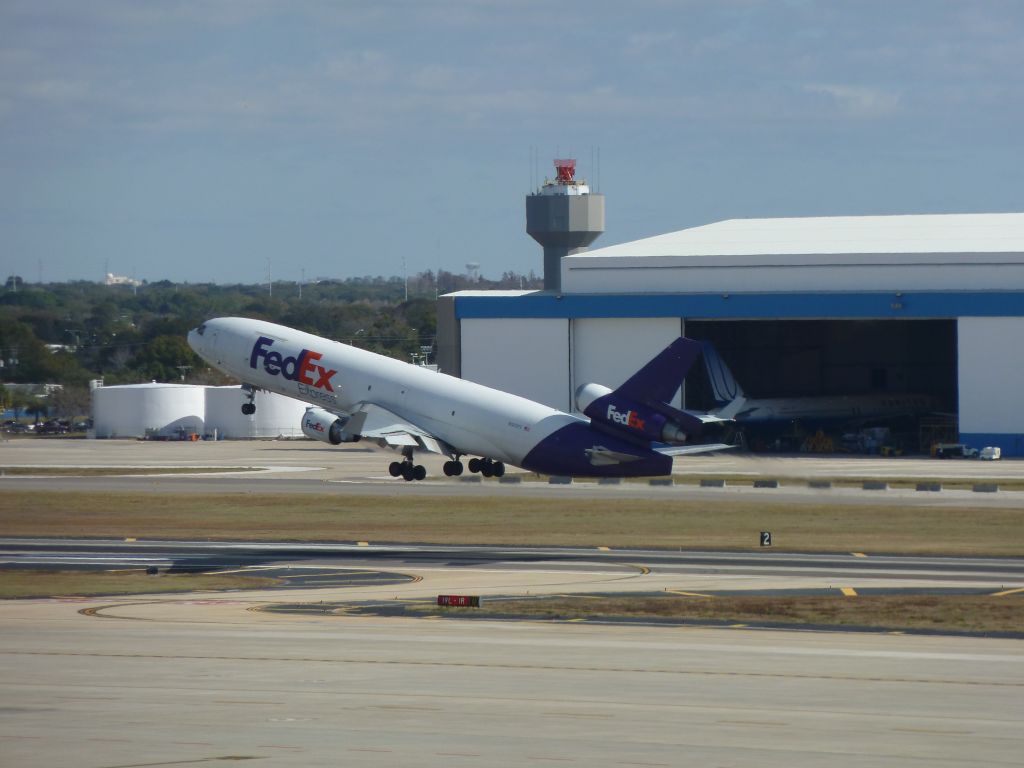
(487, 470)
(248, 408)
(452, 468)
(458, 468)
(395, 468)
(498, 469)
(408, 472)
(419, 472)
(474, 465)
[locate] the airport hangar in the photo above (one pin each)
(925, 304)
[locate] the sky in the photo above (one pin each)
(218, 141)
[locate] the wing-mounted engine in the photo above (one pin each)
(327, 427)
(649, 421)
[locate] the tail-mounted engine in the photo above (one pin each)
(658, 422)
(327, 427)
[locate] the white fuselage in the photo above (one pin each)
(474, 418)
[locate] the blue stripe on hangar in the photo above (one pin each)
(877, 305)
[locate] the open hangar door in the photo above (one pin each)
(836, 358)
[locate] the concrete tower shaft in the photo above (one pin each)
(564, 217)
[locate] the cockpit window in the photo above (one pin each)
(201, 329)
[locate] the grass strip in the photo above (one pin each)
(33, 583)
(961, 613)
(617, 523)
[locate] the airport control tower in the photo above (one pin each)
(564, 217)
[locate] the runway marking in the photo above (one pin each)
(458, 754)
(551, 759)
(752, 722)
(1006, 592)
(235, 701)
(858, 554)
(688, 594)
(848, 591)
(579, 714)
(993, 658)
(130, 540)
(582, 597)
(930, 730)
(362, 543)
(368, 749)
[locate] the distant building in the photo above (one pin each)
(113, 279)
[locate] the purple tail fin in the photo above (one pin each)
(661, 377)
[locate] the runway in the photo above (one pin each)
(210, 678)
(764, 570)
(202, 679)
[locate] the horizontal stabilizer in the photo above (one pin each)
(681, 450)
(728, 412)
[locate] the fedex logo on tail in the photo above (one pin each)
(626, 418)
(301, 368)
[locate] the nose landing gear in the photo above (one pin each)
(249, 408)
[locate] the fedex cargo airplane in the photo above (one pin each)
(354, 394)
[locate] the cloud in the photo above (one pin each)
(859, 101)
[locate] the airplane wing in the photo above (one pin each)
(680, 450)
(386, 427)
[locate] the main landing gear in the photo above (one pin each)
(406, 469)
(487, 467)
(249, 408)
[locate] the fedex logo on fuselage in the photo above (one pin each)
(301, 368)
(626, 418)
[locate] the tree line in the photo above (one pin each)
(69, 333)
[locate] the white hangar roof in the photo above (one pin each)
(920, 252)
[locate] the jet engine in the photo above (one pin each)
(326, 426)
(660, 422)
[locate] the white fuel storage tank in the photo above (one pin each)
(155, 410)
(276, 415)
